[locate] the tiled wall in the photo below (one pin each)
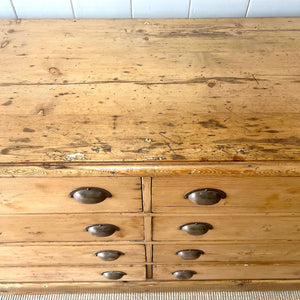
(147, 8)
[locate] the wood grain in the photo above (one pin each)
(54, 254)
(213, 271)
(67, 227)
(158, 169)
(50, 195)
(231, 252)
(239, 81)
(244, 194)
(229, 227)
(153, 286)
(69, 273)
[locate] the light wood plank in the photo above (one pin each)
(245, 169)
(67, 227)
(234, 252)
(50, 195)
(214, 271)
(244, 194)
(229, 227)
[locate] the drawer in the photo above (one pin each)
(56, 254)
(228, 271)
(67, 227)
(69, 273)
(235, 227)
(226, 252)
(51, 195)
(243, 194)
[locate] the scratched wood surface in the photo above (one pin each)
(136, 90)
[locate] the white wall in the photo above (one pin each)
(147, 8)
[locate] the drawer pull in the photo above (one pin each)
(184, 274)
(109, 255)
(189, 254)
(205, 196)
(113, 275)
(102, 230)
(89, 195)
(195, 228)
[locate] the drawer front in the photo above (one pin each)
(67, 227)
(51, 195)
(221, 252)
(243, 194)
(228, 228)
(218, 271)
(69, 273)
(53, 254)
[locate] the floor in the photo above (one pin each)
(272, 295)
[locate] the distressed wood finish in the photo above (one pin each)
(51, 195)
(69, 273)
(143, 117)
(214, 271)
(229, 252)
(149, 110)
(244, 194)
(67, 227)
(54, 254)
(229, 227)
(157, 169)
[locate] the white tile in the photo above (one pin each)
(43, 8)
(274, 8)
(160, 8)
(218, 8)
(102, 8)
(6, 10)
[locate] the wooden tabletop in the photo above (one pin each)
(149, 90)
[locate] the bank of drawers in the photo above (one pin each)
(54, 229)
(226, 227)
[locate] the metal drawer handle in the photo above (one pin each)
(205, 196)
(102, 230)
(109, 255)
(113, 275)
(184, 274)
(195, 228)
(189, 254)
(89, 195)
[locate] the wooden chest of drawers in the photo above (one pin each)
(145, 154)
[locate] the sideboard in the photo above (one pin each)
(149, 154)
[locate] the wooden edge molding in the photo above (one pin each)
(151, 286)
(152, 169)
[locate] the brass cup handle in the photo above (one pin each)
(195, 228)
(184, 274)
(109, 255)
(102, 230)
(89, 195)
(205, 196)
(113, 275)
(189, 254)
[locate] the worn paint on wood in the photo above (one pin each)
(196, 90)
